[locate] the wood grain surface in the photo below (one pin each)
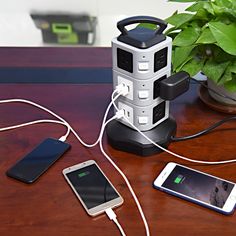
(49, 207)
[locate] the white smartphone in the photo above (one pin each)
(198, 187)
(92, 187)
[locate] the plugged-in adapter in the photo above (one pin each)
(122, 89)
(128, 84)
(174, 86)
(128, 111)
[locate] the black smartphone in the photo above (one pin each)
(35, 163)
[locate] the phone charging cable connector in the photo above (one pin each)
(112, 216)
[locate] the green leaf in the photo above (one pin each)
(195, 7)
(234, 5)
(231, 85)
(179, 19)
(147, 26)
(172, 35)
(208, 6)
(180, 55)
(223, 10)
(233, 67)
(182, 0)
(206, 37)
(225, 36)
(193, 66)
(198, 24)
(214, 70)
(201, 14)
(186, 37)
(170, 30)
(201, 5)
(227, 76)
(224, 3)
(188, 59)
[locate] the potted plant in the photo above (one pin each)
(204, 39)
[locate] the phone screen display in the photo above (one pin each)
(199, 186)
(92, 186)
(38, 161)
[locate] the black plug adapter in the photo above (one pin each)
(174, 86)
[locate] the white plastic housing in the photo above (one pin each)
(145, 70)
(141, 92)
(142, 117)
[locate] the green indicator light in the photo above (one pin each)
(178, 180)
(82, 174)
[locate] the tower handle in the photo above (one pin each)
(141, 19)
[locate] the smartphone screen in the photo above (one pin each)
(92, 186)
(198, 187)
(38, 161)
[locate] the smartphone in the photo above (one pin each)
(35, 163)
(198, 187)
(92, 187)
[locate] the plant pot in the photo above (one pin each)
(221, 90)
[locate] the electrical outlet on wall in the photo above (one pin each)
(129, 84)
(128, 111)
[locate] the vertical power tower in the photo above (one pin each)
(141, 60)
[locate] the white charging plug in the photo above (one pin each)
(120, 114)
(123, 89)
(112, 216)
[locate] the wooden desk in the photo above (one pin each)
(48, 207)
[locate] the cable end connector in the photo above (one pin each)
(110, 213)
(112, 216)
(120, 114)
(63, 138)
(122, 89)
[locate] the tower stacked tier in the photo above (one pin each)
(142, 70)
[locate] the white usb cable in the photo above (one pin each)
(168, 151)
(103, 122)
(118, 115)
(129, 186)
(63, 138)
(62, 120)
(121, 90)
(112, 216)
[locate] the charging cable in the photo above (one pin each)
(129, 186)
(102, 125)
(62, 138)
(112, 216)
(62, 120)
(168, 151)
(121, 90)
(119, 114)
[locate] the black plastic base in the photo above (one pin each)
(123, 138)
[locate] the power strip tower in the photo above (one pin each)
(141, 61)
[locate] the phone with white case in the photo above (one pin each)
(198, 187)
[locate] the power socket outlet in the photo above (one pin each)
(129, 84)
(129, 112)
